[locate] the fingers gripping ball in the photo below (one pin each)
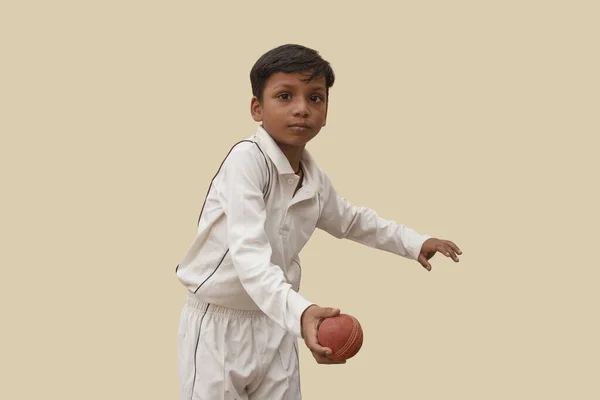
(342, 334)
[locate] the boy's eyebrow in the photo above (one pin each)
(290, 86)
(320, 89)
(283, 86)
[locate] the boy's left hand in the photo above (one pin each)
(432, 245)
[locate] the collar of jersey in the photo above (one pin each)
(281, 162)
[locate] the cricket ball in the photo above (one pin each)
(342, 334)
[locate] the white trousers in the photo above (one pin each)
(226, 354)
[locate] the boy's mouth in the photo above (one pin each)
(300, 125)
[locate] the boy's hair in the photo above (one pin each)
(290, 58)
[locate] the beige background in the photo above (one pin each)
(468, 120)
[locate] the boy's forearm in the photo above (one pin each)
(276, 298)
(370, 229)
(362, 225)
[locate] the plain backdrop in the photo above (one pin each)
(471, 121)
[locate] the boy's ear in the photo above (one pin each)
(256, 109)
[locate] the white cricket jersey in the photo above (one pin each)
(252, 227)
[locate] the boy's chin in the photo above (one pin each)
(295, 139)
(302, 136)
(299, 140)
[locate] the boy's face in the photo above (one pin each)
(293, 111)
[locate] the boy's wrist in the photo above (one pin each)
(297, 306)
(415, 250)
(302, 320)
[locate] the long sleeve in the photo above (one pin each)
(362, 225)
(240, 191)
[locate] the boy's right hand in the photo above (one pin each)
(311, 319)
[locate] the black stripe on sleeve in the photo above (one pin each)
(221, 166)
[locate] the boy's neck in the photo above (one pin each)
(293, 154)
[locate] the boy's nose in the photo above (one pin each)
(301, 108)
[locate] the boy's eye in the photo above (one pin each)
(284, 96)
(316, 98)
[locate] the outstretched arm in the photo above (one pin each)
(362, 224)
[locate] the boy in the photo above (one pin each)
(243, 314)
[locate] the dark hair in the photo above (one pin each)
(289, 58)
